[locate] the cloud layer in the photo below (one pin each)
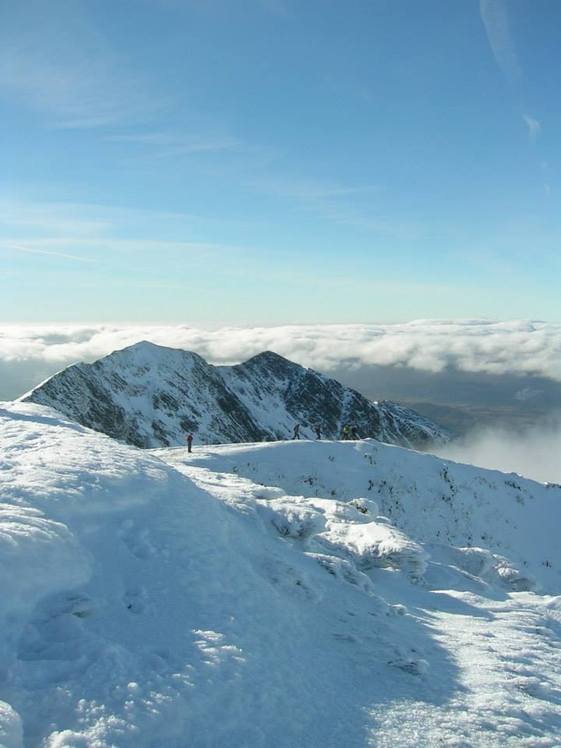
(29, 353)
(533, 453)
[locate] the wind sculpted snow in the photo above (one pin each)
(262, 595)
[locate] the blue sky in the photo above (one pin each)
(271, 161)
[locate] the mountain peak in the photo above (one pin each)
(148, 351)
(269, 356)
(152, 396)
(271, 361)
(146, 346)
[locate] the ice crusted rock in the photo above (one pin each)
(431, 501)
(375, 545)
(345, 532)
(292, 520)
(492, 567)
(365, 506)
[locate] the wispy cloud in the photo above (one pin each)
(165, 143)
(189, 142)
(6, 246)
(305, 189)
(88, 232)
(494, 15)
(103, 247)
(495, 18)
(53, 59)
(60, 220)
(534, 127)
(347, 205)
(53, 218)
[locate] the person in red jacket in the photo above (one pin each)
(189, 441)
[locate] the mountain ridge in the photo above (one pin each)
(151, 396)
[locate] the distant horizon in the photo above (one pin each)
(286, 323)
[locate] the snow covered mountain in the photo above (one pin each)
(283, 594)
(151, 396)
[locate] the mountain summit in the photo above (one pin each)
(151, 396)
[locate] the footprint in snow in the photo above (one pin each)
(410, 664)
(56, 632)
(344, 637)
(137, 541)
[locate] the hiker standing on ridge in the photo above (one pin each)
(354, 433)
(296, 432)
(346, 435)
(189, 438)
(318, 431)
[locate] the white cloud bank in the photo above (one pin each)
(470, 345)
(533, 453)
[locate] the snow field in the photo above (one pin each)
(495, 524)
(509, 662)
(263, 595)
(504, 643)
(167, 616)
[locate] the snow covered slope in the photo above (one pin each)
(151, 396)
(434, 501)
(160, 599)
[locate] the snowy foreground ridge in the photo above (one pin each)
(283, 594)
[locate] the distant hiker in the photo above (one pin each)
(189, 441)
(296, 432)
(354, 433)
(346, 432)
(318, 431)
